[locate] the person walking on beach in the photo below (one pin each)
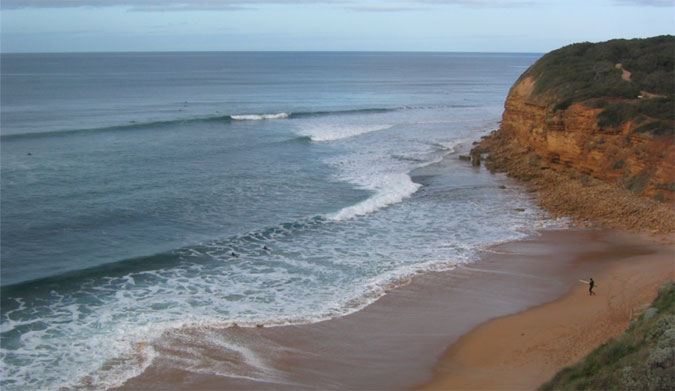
(591, 284)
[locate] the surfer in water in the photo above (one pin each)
(591, 284)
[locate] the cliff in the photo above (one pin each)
(581, 121)
(572, 138)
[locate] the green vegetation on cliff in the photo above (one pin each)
(642, 358)
(629, 79)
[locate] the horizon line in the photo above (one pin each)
(272, 51)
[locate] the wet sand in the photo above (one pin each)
(395, 343)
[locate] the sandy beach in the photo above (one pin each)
(525, 350)
(396, 342)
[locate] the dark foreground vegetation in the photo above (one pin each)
(642, 358)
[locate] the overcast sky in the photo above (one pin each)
(390, 25)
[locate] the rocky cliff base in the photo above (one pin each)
(571, 193)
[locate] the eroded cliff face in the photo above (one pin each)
(571, 139)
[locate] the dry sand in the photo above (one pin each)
(523, 351)
(395, 342)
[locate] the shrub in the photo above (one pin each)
(662, 108)
(616, 114)
(657, 128)
(563, 105)
(618, 164)
(637, 183)
(597, 104)
(666, 186)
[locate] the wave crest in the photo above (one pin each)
(258, 117)
(158, 124)
(397, 188)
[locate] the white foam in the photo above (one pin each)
(317, 271)
(258, 117)
(395, 188)
(452, 146)
(332, 132)
(126, 367)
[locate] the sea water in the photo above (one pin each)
(148, 191)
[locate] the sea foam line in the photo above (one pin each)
(134, 336)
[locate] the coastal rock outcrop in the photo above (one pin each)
(572, 138)
(578, 121)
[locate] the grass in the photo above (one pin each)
(642, 358)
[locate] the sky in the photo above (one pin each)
(534, 26)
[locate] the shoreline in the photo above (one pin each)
(525, 350)
(395, 342)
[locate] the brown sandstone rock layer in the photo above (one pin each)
(611, 176)
(572, 138)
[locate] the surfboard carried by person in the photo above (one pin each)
(591, 285)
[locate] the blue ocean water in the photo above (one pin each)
(149, 191)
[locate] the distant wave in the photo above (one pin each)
(133, 125)
(242, 244)
(258, 117)
(130, 126)
(74, 278)
(374, 110)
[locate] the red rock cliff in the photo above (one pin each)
(572, 139)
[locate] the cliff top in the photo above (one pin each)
(630, 79)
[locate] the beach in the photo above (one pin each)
(462, 316)
(524, 350)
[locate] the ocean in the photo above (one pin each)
(145, 192)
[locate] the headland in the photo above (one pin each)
(588, 129)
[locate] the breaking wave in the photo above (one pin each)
(258, 117)
(224, 119)
(330, 132)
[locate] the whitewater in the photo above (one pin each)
(249, 189)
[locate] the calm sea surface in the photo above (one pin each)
(143, 192)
